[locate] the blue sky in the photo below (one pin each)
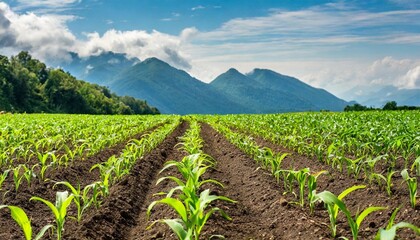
(336, 45)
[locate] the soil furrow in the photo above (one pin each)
(78, 172)
(261, 211)
(119, 212)
(336, 181)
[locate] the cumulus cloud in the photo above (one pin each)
(7, 38)
(363, 77)
(47, 37)
(136, 43)
(412, 78)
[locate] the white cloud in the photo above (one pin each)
(199, 7)
(136, 43)
(412, 78)
(23, 4)
(47, 37)
(350, 79)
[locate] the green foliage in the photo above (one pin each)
(59, 209)
(20, 217)
(333, 201)
(412, 186)
(27, 85)
(390, 232)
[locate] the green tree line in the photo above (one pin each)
(28, 85)
(392, 105)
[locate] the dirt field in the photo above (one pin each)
(262, 210)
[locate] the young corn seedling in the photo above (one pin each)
(20, 217)
(17, 178)
(354, 166)
(81, 198)
(386, 181)
(301, 176)
(3, 177)
(29, 174)
(412, 186)
(369, 164)
(333, 201)
(333, 208)
(416, 166)
(312, 182)
(59, 210)
(193, 214)
(288, 179)
(390, 232)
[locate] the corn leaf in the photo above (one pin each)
(21, 219)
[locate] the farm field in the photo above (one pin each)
(274, 176)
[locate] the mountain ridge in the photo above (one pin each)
(174, 91)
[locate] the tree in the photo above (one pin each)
(390, 106)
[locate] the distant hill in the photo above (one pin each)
(267, 91)
(174, 91)
(99, 69)
(27, 85)
(171, 90)
(379, 97)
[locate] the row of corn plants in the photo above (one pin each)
(97, 139)
(190, 202)
(92, 194)
(364, 147)
(303, 178)
(43, 137)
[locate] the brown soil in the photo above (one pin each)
(262, 210)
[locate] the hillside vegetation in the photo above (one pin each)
(27, 85)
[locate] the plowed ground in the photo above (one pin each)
(262, 210)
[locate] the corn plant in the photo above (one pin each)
(20, 217)
(354, 166)
(288, 179)
(59, 210)
(333, 201)
(3, 177)
(301, 176)
(17, 177)
(385, 181)
(191, 167)
(193, 214)
(312, 182)
(412, 186)
(29, 174)
(333, 208)
(416, 166)
(81, 198)
(390, 232)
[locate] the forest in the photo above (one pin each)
(28, 85)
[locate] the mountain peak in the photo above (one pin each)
(232, 70)
(153, 60)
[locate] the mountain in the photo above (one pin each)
(379, 97)
(171, 90)
(98, 69)
(265, 91)
(174, 91)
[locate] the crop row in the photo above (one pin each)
(192, 204)
(369, 148)
(92, 194)
(64, 137)
(354, 135)
(305, 181)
